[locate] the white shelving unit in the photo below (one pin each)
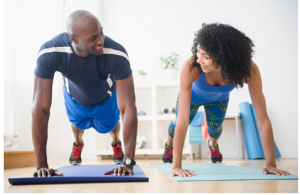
(150, 98)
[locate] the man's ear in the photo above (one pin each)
(73, 38)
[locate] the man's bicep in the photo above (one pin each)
(42, 94)
(125, 92)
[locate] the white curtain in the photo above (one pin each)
(28, 24)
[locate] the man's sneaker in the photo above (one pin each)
(216, 155)
(75, 158)
(167, 157)
(118, 153)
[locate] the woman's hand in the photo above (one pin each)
(182, 172)
(271, 169)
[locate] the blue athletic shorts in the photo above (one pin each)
(103, 117)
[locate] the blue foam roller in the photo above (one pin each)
(250, 135)
(83, 174)
(277, 153)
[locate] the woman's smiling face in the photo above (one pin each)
(206, 63)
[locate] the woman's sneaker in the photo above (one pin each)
(118, 153)
(75, 158)
(167, 157)
(216, 155)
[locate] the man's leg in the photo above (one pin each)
(116, 144)
(78, 133)
(75, 157)
(115, 133)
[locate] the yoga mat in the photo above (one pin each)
(198, 119)
(220, 172)
(195, 135)
(83, 174)
(277, 153)
(195, 132)
(252, 141)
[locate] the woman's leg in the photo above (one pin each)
(193, 111)
(167, 155)
(215, 114)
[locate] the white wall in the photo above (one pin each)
(147, 29)
(150, 28)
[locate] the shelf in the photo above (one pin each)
(155, 84)
(145, 118)
(166, 117)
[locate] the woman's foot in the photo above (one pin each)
(216, 155)
(167, 157)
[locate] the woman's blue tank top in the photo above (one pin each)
(202, 92)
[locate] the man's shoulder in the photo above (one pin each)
(60, 40)
(109, 43)
(59, 44)
(114, 49)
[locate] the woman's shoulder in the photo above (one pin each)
(189, 71)
(254, 72)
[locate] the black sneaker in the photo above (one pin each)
(216, 155)
(118, 153)
(167, 157)
(75, 158)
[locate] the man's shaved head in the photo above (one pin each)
(80, 19)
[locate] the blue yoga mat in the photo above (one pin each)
(195, 131)
(83, 174)
(220, 172)
(195, 135)
(250, 134)
(198, 119)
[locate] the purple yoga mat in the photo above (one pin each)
(83, 174)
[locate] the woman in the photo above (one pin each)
(221, 61)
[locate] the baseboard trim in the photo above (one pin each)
(19, 158)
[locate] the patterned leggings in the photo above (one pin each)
(215, 113)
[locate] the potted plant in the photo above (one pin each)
(142, 76)
(170, 66)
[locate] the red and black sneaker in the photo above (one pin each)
(75, 158)
(118, 153)
(216, 155)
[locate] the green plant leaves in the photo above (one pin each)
(170, 61)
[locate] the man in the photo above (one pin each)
(98, 85)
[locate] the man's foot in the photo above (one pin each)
(118, 153)
(167, 157)
(216, 155)
(75, 158)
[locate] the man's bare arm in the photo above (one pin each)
(40, 117)
(126, 104)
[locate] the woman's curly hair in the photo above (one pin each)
(228, 48)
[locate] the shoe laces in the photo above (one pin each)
(118, 150)
(168, 154)
(215, 153)
(76, 151)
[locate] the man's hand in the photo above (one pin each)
(271, 169)
(182, 172)
(120, 171)
(47, 172)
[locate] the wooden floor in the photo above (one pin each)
(159, 182)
